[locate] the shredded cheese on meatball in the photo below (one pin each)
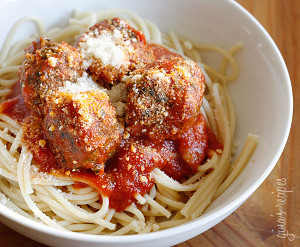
(104, 48)
(83, 84)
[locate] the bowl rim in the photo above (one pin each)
(211, 216)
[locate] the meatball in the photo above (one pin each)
(111, 49)
(164, 98)
(161, 53)
(45, 68)
(34, 139)
(82, 129)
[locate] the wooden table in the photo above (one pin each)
(255, 222)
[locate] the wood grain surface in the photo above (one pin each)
(255, 223)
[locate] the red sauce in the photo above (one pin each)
(213, 143)
(175, 166)
(193, 143)
(15, 90)
(15, 108)
(128, 173)
(79, 185)
(14, 105)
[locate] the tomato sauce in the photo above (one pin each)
(14, 105)
(213, 142)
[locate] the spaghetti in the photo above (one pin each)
(61, 203)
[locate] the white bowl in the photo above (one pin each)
(262, 95)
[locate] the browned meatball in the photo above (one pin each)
(82, 129)
(45, 68)
(164, 98)
(34, 139)
(111, 49)
(161, 53)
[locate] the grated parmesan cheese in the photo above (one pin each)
(83, 84)
(117, 94)
(104, 48)
(131, 78)
(160, 75)
(52, 61)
